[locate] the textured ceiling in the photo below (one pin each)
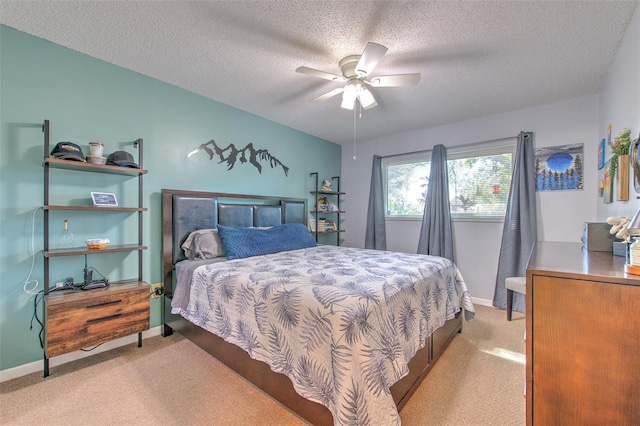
(476, 58)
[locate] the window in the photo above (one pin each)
(479, 182)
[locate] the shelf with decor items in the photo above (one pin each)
(322, 225)
(87, 314)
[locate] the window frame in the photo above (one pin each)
(452, 154)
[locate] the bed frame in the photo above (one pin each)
(186, 211)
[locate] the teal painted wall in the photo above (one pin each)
(90, 100)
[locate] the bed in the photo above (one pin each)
(338, 335)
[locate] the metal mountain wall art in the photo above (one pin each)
(231, 155)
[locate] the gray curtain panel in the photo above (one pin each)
(376, 234)
(436, 236)
(520, 230)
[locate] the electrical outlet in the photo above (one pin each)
(156, 290)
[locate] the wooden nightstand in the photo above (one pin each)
(87, 318)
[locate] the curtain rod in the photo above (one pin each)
(457, 146)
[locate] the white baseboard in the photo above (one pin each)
(33, 367)
(483, 302)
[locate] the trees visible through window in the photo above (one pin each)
(479, 184)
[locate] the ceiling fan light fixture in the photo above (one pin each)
(349, 96)
(366, 99)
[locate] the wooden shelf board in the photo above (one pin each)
(76, 251)
(328, 192)
(90, 167)
(96, 209)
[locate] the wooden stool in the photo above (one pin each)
(517, 284)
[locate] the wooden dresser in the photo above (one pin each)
(583, 338)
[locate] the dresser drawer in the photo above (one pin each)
(84, 319)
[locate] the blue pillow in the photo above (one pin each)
(246, 242)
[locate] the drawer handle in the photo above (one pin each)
(108, 317)
(111, 302)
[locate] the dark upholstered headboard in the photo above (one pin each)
(186, 211)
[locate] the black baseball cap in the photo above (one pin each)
(122, 159)
(67, 151)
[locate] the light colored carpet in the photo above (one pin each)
(169, 381)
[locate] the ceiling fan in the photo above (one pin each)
(355, 70)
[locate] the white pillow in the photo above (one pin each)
(203, 244)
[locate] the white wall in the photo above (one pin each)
(620, 107)
(477, 244)
(560, 214)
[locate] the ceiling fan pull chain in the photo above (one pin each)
(354, 132)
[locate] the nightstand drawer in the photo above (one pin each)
(80, 320)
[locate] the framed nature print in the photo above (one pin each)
(559, 168)
(601, 149)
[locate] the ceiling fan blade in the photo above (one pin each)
(372, 54)
(328, 95)
(320, 74)
(400, 80)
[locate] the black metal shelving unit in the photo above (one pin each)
(335, 196)
(50, 163)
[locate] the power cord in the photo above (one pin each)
(28, 280)
(156, 292)
(36, 300)
(90, 349)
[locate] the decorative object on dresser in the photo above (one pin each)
(325, 206)
(597, 236)
(632, 263)
(582, 338)
(80, 319)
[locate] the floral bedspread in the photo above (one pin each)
(341, 323)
